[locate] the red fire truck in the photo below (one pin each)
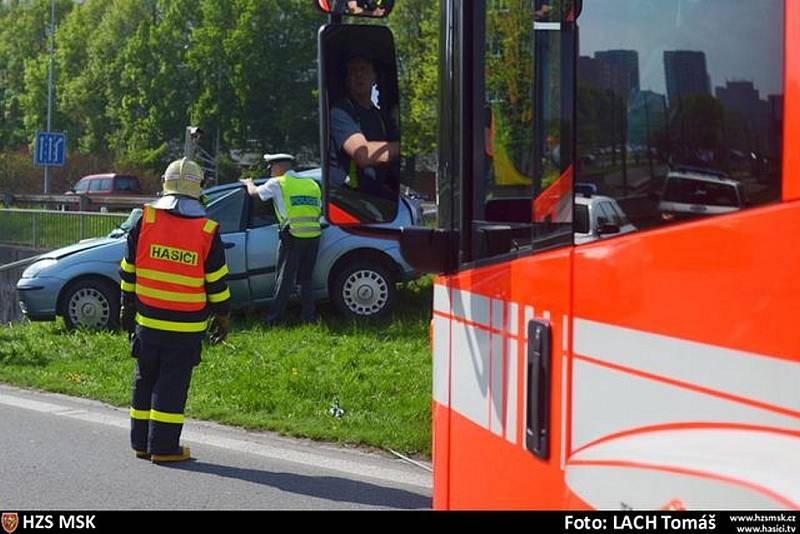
(656, 367)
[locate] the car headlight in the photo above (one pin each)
(37, 267)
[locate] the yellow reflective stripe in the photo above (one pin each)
(171, 326)
(127, 286)
(164, 417)
(210, 226)
(142, 415)
(219, 297)
(149, 214)
(168, 295)
(216, 275)
(161, 276)
(127, 267)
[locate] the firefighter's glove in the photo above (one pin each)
(127, 318)
(218, 330)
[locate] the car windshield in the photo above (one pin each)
(686, 191)
(82, 186)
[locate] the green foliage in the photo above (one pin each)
(131, 74)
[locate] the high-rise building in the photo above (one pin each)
(686, 74)
(619, 71)
(616, 71)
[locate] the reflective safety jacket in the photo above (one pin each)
(302, 200)
(175, 266)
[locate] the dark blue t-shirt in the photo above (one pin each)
(347, 119)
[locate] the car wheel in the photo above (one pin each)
(364, 289)
(92, 304)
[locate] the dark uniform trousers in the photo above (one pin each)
(160, 387)
(296, 258)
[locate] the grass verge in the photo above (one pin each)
(284, 379)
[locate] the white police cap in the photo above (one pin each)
(274, 158)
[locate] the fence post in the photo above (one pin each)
(82, 206)
(33, 215)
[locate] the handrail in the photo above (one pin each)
(19, 263)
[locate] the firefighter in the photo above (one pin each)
(174, 289)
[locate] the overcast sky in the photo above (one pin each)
(742, 39)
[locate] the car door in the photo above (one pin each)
(261, 250)
(227, 209)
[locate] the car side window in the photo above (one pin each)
(127, 184)
(262, 213)
(606, 214)
(226, 210)
(102, 185)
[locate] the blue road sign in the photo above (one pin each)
(50, 149)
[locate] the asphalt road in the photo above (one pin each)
(63, 453)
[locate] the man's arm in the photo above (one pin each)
(127, 284)
(346, 134)
(264, 191)
(368, 153)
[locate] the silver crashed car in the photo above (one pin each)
(358, 274)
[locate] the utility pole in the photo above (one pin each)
(51, 32)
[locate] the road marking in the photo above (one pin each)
(354, 467)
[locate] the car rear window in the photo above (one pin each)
(686, 191)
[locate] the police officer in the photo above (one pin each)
(298, 206)
(174, 278)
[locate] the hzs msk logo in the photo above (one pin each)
(10, 522)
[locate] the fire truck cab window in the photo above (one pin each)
(525, 180)
(680, 106)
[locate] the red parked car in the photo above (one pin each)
(99, 189)
(107, 184)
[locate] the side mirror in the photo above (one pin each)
(360, 131)
(356, 8)
(608, 228)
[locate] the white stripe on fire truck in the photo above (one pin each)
(496, 385)
(441, 299)
(470, 370)
(765, 380)
(511, 394)
(729, 456)
(471, 306)
(441, 360)
(513, 318)
(606, 401)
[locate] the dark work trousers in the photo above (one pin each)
(160, 386)
(296, 257)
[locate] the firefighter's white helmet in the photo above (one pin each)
(183, 177)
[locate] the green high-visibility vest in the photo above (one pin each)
(302, 200)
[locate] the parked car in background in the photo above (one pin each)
(103, 191)
(598, 217)
(358, 274)
(107, 184)
(692, 194)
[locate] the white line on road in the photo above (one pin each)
(359, 466)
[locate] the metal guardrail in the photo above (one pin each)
(51, 229)
(19, 263)
(76, 202)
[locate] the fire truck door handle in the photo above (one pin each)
(537, 425)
